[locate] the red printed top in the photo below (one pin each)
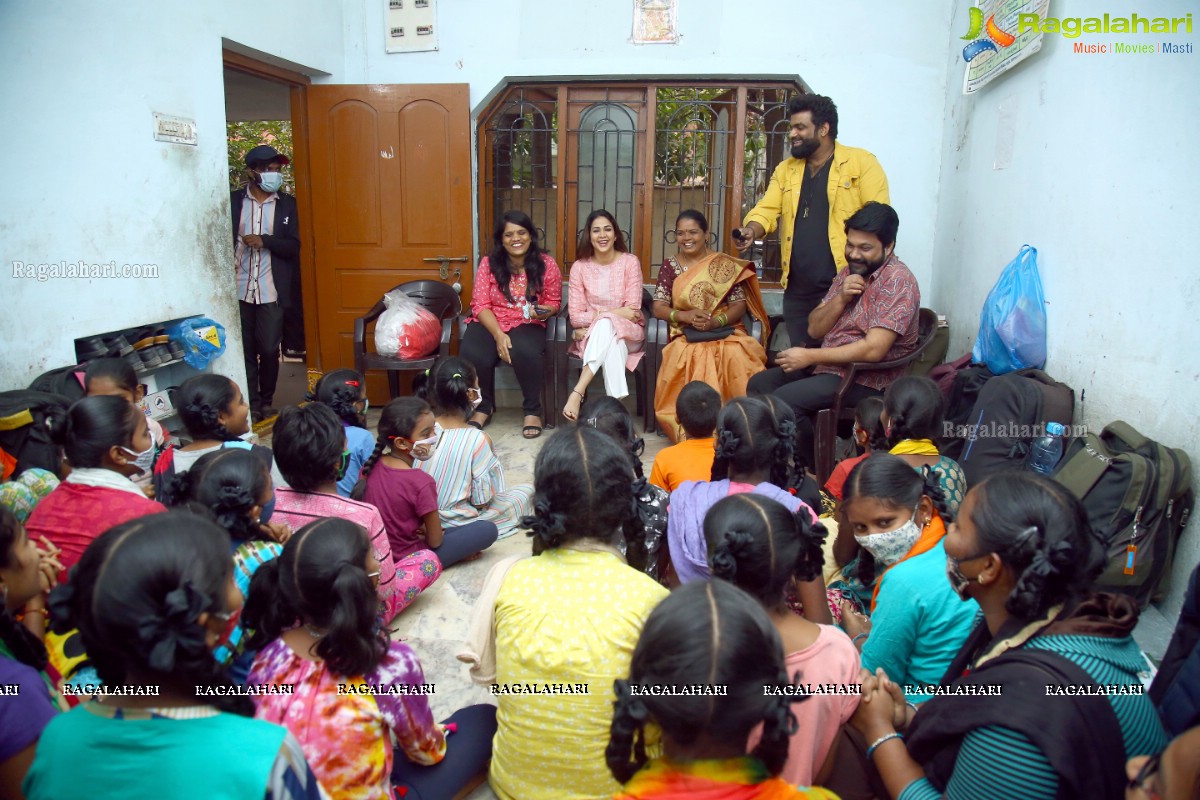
(891, 300)
(487, 295)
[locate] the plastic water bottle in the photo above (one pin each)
(1046, 450)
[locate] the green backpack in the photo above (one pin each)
(1138, 497)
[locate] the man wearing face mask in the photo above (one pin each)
(814, 192)
(868, 314)
(266, 249)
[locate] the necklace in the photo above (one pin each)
(313, 632)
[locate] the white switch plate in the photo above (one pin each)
(178, 130)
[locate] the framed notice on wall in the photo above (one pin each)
(410, 26)
(994, 41)
(654, 22)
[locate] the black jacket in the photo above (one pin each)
(283, 242)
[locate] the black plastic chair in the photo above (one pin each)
(440, 299)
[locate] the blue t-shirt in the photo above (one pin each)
(361, 445)
(919, 623)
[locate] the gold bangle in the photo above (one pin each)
(672, 316)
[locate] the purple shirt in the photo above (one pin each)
(891, 300)
(403, 497)
(24, 715)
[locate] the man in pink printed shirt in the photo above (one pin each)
(869, 314)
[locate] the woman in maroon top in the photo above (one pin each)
(103, 437)
(517, 288)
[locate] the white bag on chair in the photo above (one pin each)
(406, 329)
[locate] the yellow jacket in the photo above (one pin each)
(855, 179)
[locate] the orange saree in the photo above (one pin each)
(726, 364)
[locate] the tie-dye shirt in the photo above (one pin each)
(344, 734)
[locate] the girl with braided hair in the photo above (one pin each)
(406, 497)
(917, 623)
(759, 546)
(215, 415)
(469, 477)
(345, 391)
(913, 412)
(569, 616)
(753, 453)
(1022, 547)
(234, 487)
(152, 598)
(714, 642)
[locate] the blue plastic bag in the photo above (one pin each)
(202, 340)
(1012, 327)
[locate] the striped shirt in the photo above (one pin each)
(470, 482)
(256, 284)
(297, 509)
(995, 763)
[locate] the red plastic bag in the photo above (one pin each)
(405, 329)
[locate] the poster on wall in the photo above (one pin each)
(410, 26)
(995, 43)
(654, 22)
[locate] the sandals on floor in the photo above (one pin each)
(531, 431)
(480, 425)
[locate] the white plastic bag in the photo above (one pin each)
(405, 329)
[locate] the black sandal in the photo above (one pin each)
(479, 425)
(531, 431)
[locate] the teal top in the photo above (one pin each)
(193, 753)
(997, 763)
(919, 623)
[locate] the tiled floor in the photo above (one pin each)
(435, 624)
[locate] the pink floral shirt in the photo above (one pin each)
(593, 287)
(344, 734)
(487, 295)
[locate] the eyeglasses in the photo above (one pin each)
(1143, 778)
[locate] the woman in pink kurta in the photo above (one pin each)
(605, 300)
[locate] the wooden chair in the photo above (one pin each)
(827, 419)
(440, 299)
(565, 363)
(549, 373)
(658, 335)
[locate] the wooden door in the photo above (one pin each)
(391, 193)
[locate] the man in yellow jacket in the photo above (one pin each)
(812, 236)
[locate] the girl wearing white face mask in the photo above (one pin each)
(104, 439)
(917, 622)
(470, 480)
(407, 498)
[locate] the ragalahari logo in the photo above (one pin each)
(978, 45)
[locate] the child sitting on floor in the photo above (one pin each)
(690, 460)
(407, 497)
(310, 445)
(114, 376)
(345, 391)
(469, 478)
(868, 437)
(313, 611)
(706, 635)
(760, 547)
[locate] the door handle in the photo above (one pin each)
(444, 270)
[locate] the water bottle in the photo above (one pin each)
(1046, 450)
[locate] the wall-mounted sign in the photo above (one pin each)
(410, 26)
(177, 130)
(654, 22)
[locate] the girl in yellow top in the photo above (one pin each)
(566, 623)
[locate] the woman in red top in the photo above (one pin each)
(103, 437)
(517, 288)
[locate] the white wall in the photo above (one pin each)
(86, 182)
(1103, 181)
(883, 64)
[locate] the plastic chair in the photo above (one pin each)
(828, 418)
(565, 362)
(440, 299)
(549, 373)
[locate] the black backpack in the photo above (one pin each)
(61, 381)
(1010, 412)
(1138, 498)
(23, 431)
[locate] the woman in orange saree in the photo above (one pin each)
(705, 296)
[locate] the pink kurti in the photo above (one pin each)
(593, 287)
(486, 296)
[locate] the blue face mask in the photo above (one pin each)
(267, 511)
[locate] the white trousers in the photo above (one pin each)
(605, 351)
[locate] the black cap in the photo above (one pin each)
(266, 154)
